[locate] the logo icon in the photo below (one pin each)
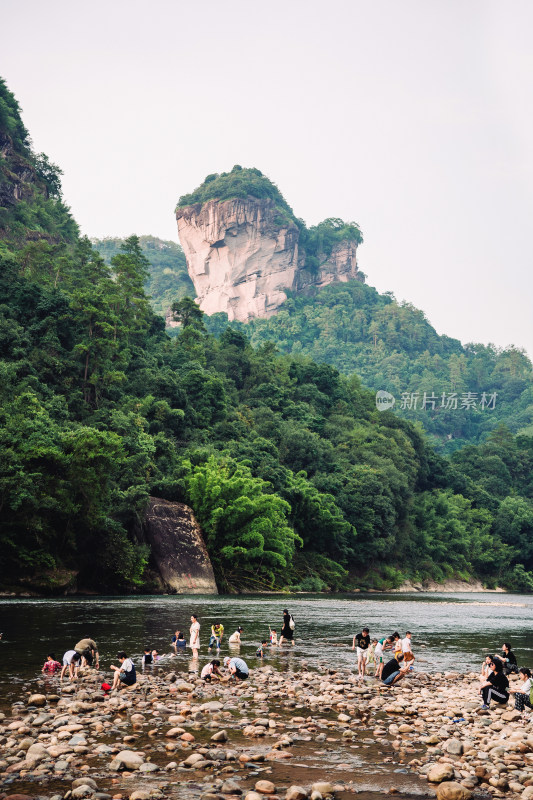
(384, 400)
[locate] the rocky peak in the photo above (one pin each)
(244, 253)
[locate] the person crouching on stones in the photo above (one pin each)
(394, 670)
(125, 673)
(211, 670)
(238, 668)
(496, 687)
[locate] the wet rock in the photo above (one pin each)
(324, 787)
(82, 791)
(296, 793)
(454, 747)
(230, 787)
(265, 787)
(440, 772)
(127, 759)
(37, 700)
(84, 781)
(450, 790)
(220, 736)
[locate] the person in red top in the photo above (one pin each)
(51, 665)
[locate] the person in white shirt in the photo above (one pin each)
(235, 638)
(194, 639)
(521, 697)
(125, 673)
(408, 656)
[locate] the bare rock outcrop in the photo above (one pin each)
(243, 255)
(178, 552)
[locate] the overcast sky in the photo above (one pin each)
(414, 119)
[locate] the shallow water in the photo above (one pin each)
(449, 632)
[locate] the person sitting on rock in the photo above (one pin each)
(485, 668)
(522, 696)
(211, 670)
(125, 673)
(237, 667)
(496, 687)
(509, 659)
(394, 670)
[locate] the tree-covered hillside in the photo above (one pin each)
(469, 390)
(168, 279)
(295, 477)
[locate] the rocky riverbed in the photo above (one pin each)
(296, 735)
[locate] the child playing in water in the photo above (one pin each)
(273, 636)
(260, 652)
(371, 655)
(51, 665)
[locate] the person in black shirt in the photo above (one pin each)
(394, 670)
(509, 659)
(363, 642)
(496, 686)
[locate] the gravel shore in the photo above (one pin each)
(293, 735)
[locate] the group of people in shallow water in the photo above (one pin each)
(85, 653)
(373, 651)
(494, 682)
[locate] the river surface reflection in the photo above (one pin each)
(450, 632)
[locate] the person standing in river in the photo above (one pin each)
(363, 642)
(287, 631)
(194, 639)
(88, 650)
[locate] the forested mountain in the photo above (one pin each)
(295, 477)
(470, 390)
(168, 279)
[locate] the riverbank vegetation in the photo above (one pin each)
(296, 478)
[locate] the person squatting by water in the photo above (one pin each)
(237, 667)
(235, 638)
(394, 670)
(211, 670)
(496, 687)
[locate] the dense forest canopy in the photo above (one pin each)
(296, 478)
(391, 346)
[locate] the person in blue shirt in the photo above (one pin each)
(237, 667)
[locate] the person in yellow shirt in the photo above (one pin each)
(217, 632)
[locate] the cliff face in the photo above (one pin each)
(242, 256)
(178, 553)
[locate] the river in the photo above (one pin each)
(449, 631)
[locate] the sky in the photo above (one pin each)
(413, 119)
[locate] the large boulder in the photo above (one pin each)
(178, 552)
(450, 790)
(440, 772)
